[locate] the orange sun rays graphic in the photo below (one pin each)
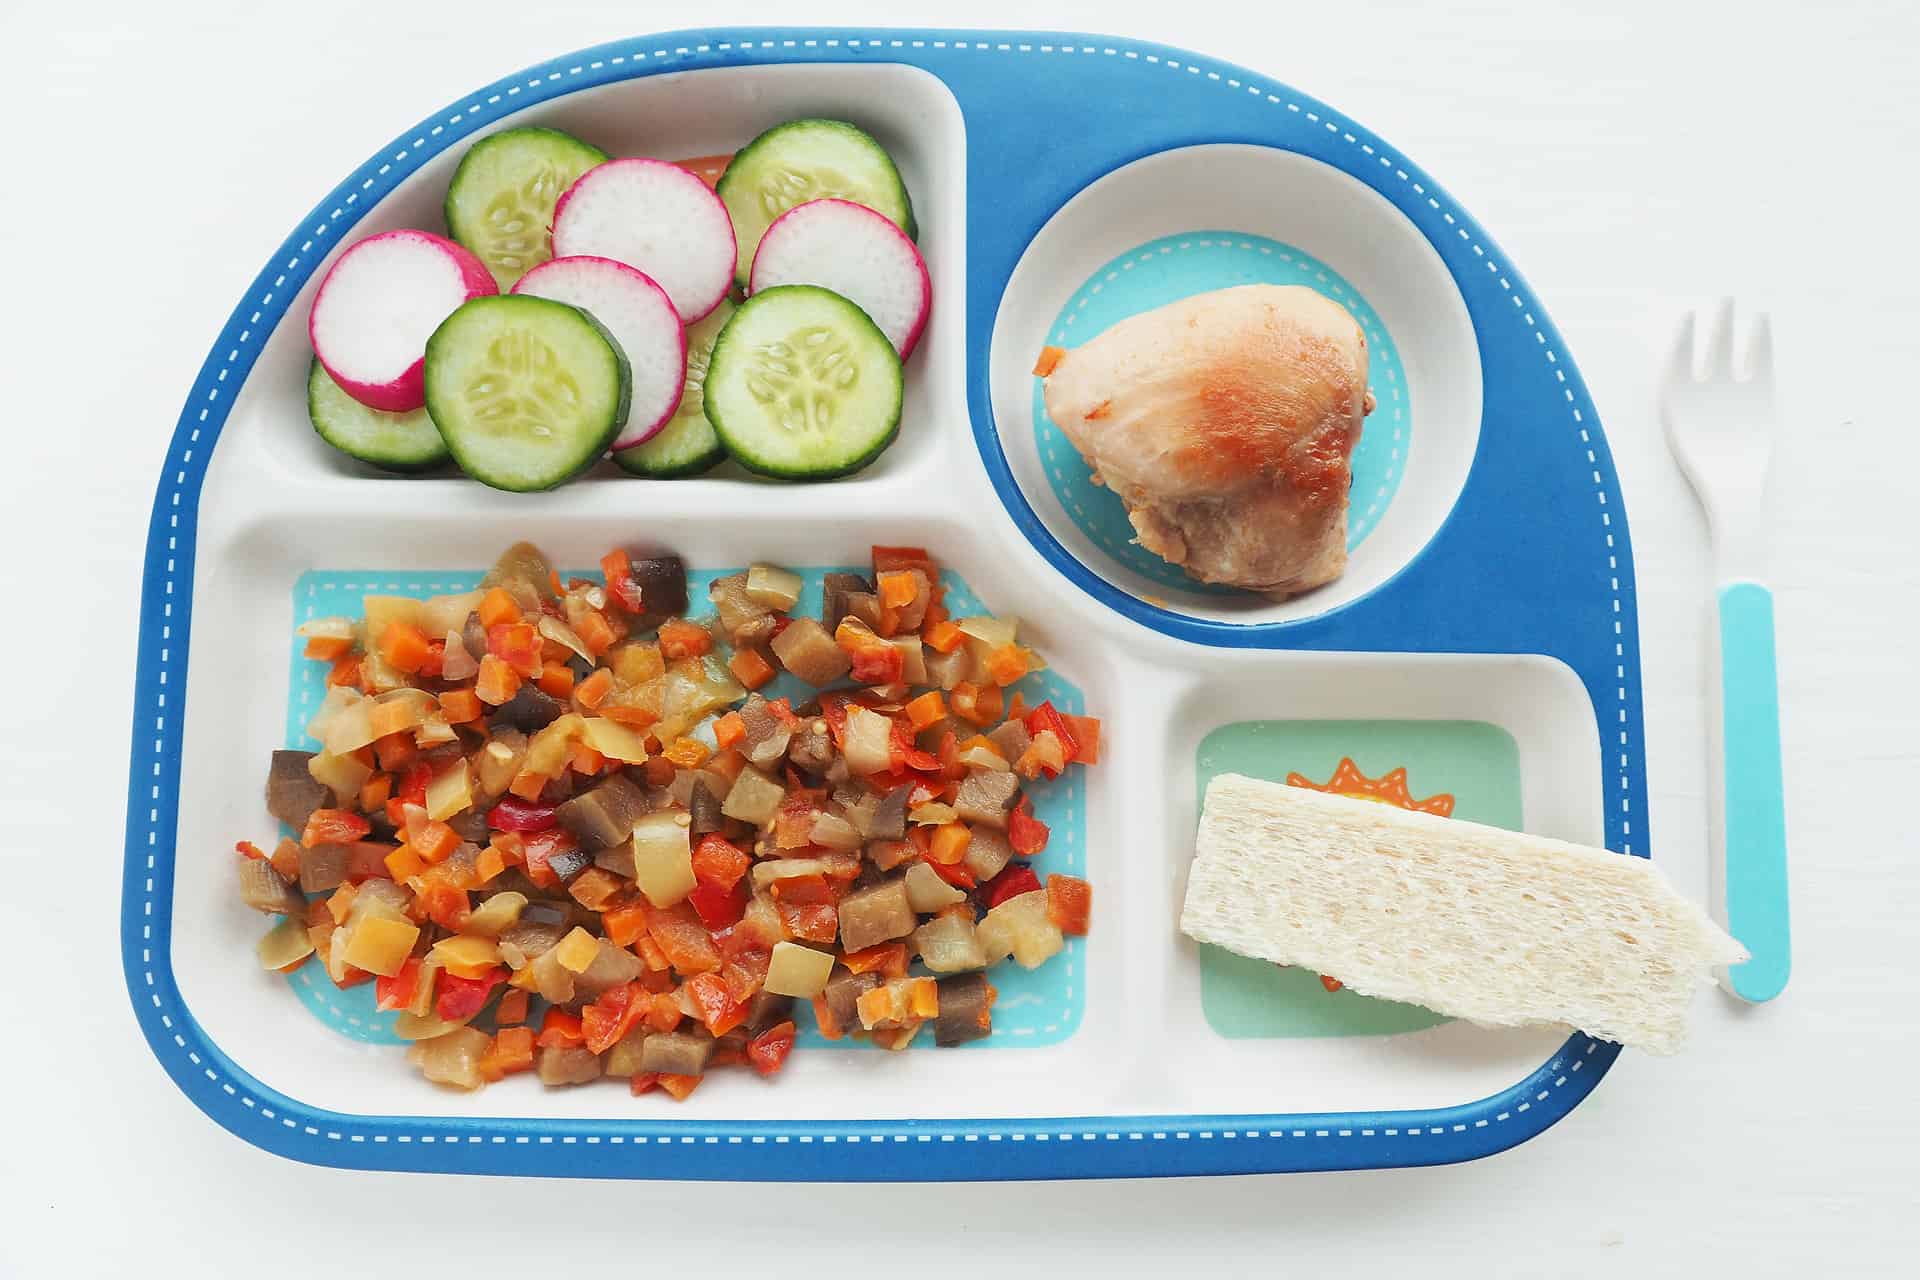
(1388, 788)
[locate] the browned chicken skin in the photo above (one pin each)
(1226, 422)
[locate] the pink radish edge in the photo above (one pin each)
(408, 390)
(869, 221)
(669, 172)
(639, 279)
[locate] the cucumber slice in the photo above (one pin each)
(806, 160)
(390, 441)
(526, 392)
(803, 385)
(500, 202)
(687, 445)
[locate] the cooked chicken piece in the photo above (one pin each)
(1226, 423)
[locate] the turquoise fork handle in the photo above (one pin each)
(1755, 821)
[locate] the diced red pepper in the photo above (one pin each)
(1086, 738)
(1010, 883)
(1331, 984)
(518, 645)
(682, 939)
(542, 847)
(398, 991)
(560, 1030)
(511, 814)
(618, 568)
(334, 826)
(716, 1005)
(644, 1082)
(956, 875)
(767, 1052)
(718, 862)
(461, 998)
(1026, 833)
(807, 908)
(719, 908)
(616, 1012)
(1069, 903)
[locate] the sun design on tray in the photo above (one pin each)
(1389, 788)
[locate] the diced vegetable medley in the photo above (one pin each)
(562, 831)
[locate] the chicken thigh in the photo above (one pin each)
(1226, 423)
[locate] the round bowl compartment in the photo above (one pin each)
(1182, 221)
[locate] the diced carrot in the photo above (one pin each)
(327, 648)
(750, 668)
(404, 864)
(664, 1012)
(374, 792)
(928, 708)
(1007, 663)
(334, 826)
(512, 1009)
(395, 751)
(633, 717)
(286, 859)
(1017, 708)
(651, 954)
(340, 901)
(560, 1029)
(729, 730)
(497, 607)
(1086, 737)
(496, 683)
(1069, 903)
(897, 589)
(682, 639)
(556, 679)
(345, 672)
(936, 612)
(687, 753)
(404, 646)
(943, 636)
(1050, 358)
(950, 841)
(518, 645)
(528, 785)
(824, 1019)
(595, 632)
(488, 864)
(975, 704)
(249, 849)
(592, 691)
(510, 1051)
(624, 924)
(681, 1087)
(435, 842)
(461, 706)
(586, 760)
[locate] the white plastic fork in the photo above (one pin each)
(1720, 429)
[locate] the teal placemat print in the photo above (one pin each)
(1034, 1008)
(1179, 266)
(1405, 762)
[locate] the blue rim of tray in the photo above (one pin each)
(972, 64)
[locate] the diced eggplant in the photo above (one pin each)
(676, 1053)
(473, 635)
(611, 966)
(324, 867)
(888, 854)
(704, 809)
(767, 735)
(738, 613)
(834, 590)
(811, 749)
(623, 1060)
(532, 938)
(754, 797)
(988, 854)
(470, 825)
(966, 1009)
(605, 815)
(617, 859)
(874, 915)
(948, 669)
(569, 864)
(808, 651)
(529, 710)
(263, 889)
(984, 797)
(566, 1064)
(1011, 740)
(663, 589)
(864, 605)
(292, 792)
(524, 571)
(498, 763)
(548, 906)
(843, 993)
(767, 1009)
(890, 819)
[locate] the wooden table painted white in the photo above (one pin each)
(1631, 157)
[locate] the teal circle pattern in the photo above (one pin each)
(1179, 266)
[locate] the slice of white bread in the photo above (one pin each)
(1498, 928)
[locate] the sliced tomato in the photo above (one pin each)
(604, 1022)
(1010, 883)
(1026, 833)
(718, 862)
(719, 908)
(715, 1004)
(461, 998)
(767, 1052)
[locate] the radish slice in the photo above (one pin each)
(857, 253)
(657, 218)
(378, 305)
(641, 318)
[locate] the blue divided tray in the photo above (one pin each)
(1046, 114)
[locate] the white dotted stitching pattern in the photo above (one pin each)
(175, 492)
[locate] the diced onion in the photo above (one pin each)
(868, 745)
(663, 857)
(614, 740)
(447, 613)
(285, 943)
(560, 633)
(456, 663)
(774, 588)
(992, 632)
(450, 792)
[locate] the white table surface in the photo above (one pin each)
(1628, 156)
